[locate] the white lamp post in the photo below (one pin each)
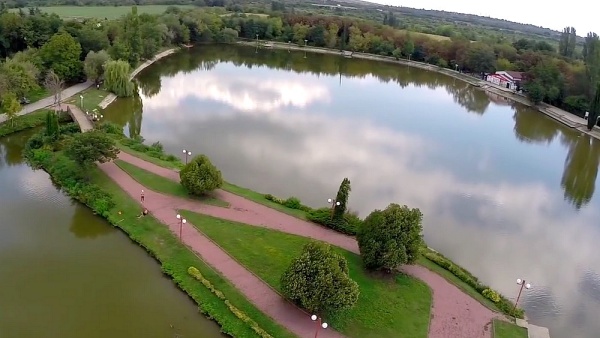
(334, 204)
(320, 324)
(182, 221)
(186, 153)
(523, 284)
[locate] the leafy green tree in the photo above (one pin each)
(318, 281)
(119, 50)
(200, 176)
(480, 58)
(93, 66)
(397, 53)
(568, 41)
(21, 76)
(92, 39)
(535, 91)
(408, 48)
(133, 36)
(594, 109)
(61, 54)
(116, 78)
(10, 106)
(90, 147)
(342, 197)
(52, 127)
(391, 237)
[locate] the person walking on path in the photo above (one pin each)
(142, 196)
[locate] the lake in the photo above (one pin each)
(65, 272)
(505, 191)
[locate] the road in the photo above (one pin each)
(48, 101)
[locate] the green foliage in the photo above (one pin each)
(200, 176)
(293, 203)
(505, 305)
(10, 106)
(318, 281)
(90, 147)
(61, 54)
(390, 238)
(342, 197)
(28, 121)
(491, 295)
(594, 109)
(137, 145)
(348, 225)
(93, 66)
(578, 104)
(237, 312)
(52, 127)
(116, 75)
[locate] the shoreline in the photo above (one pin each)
(568, 119)
(110, 98)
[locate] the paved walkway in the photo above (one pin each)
(48, 101)
(85, 124)
(454, 313)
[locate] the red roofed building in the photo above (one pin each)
(509, 79)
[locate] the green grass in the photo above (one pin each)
(450, 277)
(91, 99)
(38, 94)
(504, 329)
(176, 258)
(20, 123)
(392, 306)
(164, 185)
(109, 12)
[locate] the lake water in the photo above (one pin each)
(506, 192)
(67, 273)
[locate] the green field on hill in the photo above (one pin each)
(108, 12)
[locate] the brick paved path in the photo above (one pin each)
(454, 313)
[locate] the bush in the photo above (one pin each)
(237, 312)
(505, 305)
(391, 237)
(110, 128)
(200, 176)
(318, 280)
(322, 216)
(293, 203)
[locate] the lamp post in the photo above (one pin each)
(456, 66)
(320, 324)
(334, 204)
(186, 153)
(523, 285)
(182, 221)
(305, 45)
(81, 100)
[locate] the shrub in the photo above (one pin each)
(200, 176)
(349, 225)
(293, 203)
(90, 147)
(391, 237)
(237, 312)
(110, 128)
(318, 280)
(491, 295)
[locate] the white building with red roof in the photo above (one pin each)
(508, 79)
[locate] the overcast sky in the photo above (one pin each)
(554, 15)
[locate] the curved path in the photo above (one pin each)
(454, 313)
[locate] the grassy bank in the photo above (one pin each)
(164, 185)
(91, 99)
(388, 306)
(106, 198)
(28, 121)
(502, 329)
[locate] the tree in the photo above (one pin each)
(342, 198)
(20, 76)
(408, 48)
(568, 40)
(318, 280)
(133, 36)
(116, 78)
(54, 84)
(61, 54)
(10, 106)
(90, 147)
(52, 127)
(391, 237)
(93, 66)
(594, 109)
(200, 176)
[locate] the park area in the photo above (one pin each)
(103, 12)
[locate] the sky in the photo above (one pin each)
(553, 15)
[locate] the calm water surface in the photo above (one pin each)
(505, 191)
(66, 273)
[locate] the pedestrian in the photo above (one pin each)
(587, 115)
(144, 213)
(142, 196)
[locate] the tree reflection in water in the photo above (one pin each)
(581, 170)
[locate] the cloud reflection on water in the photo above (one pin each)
(500, 230)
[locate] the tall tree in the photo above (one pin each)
(61, 54)
(568, 40)
(594, 109)
(342, 197)
(10, 106)
(116, 78)
(591, 57)
(133, 36)
(93, 66)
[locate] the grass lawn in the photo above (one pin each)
(109, 12)
(38, 94)
(91, 99)
(164, 185)
(176, 259)
(504, 329)
(234, 189)
(396, 306)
